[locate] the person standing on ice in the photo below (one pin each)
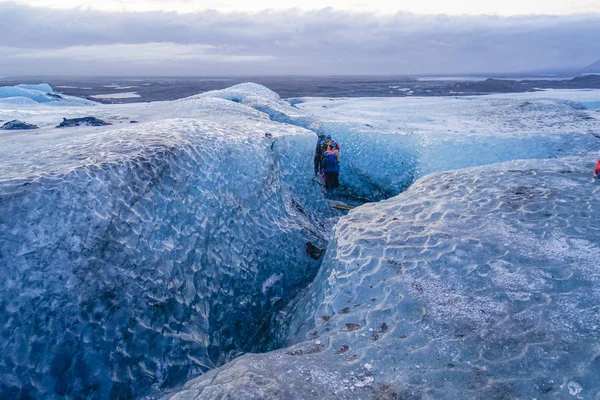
(336, 148)
(329, 140)
(319, 154)
(331, 169)
(333, 147)
(320, 137)
(597, 170)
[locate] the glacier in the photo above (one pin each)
(137, 257)
(409, 138)
(140, 256)
(478, 283)
(388, 143)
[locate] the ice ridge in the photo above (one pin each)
(146, 256)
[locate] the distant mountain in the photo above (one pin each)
(594, 68)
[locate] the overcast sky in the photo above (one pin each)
(186, 37)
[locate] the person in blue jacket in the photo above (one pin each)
(331, 167)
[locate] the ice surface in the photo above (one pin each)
(387, 143)
(264, 100)
(136, 258)
(35, 94)
(479, 283)
(42, 87)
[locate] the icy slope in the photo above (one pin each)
(247, 99)
(28, 95)
(261, 99)
(138, 257)
(480, 283)
(387, 143)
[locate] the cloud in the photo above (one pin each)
(454, 7)
(140, 53)
(51, 41)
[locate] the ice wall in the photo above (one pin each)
(479, 283)
(136, 258)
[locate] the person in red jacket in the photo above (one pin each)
(597, 170)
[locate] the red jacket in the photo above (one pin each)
(597, 170)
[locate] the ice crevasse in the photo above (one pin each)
(480, 283)
(137, 258)
(387, 144)
(474, 283)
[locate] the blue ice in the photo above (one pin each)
(37, 94)
(137, 258)
(473, 284)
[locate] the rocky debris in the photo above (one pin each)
(85, 121)
(343, 349)
(352, 326)
(340, 205)
(314, 251)
(16, 125)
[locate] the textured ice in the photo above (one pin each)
(387, 143)
(264, 100)
(480, 283)
(136, 258)
(22, 95)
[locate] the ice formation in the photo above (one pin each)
(388, 143)
(479, 283)
(22, 95)
(138, 256)
(142, 256)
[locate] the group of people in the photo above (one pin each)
(327, 161)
